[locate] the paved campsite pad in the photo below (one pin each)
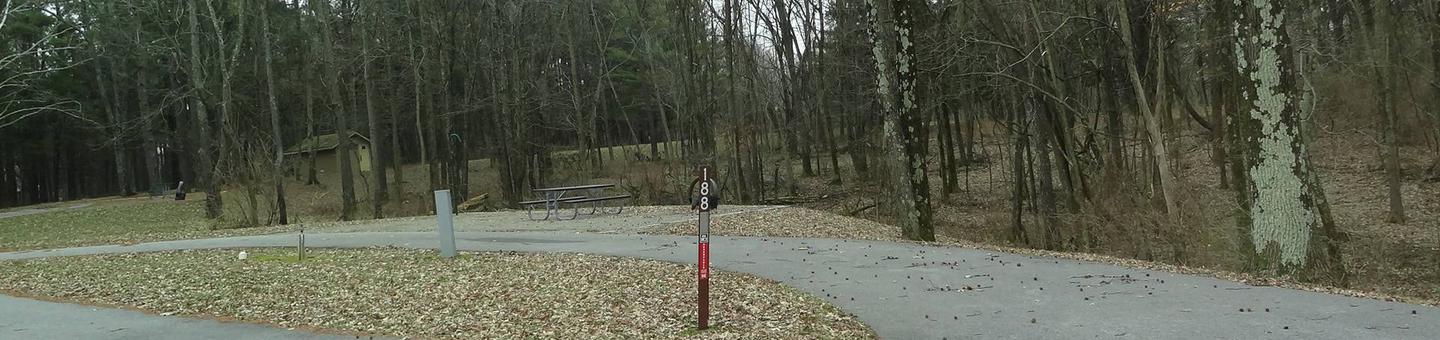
(412, 293)
(912, 291)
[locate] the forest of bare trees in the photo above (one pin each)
(1116, 126)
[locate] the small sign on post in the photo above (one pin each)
(446, 221)
(704, 205)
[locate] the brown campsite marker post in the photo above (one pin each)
(705, 204)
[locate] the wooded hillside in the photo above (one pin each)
(1128, 127)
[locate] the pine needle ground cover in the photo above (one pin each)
(411, 293)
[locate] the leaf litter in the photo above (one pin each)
(416, 294)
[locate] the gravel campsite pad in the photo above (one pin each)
(413, 293)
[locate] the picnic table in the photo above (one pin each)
(553, 198)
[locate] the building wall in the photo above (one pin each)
(326, 164)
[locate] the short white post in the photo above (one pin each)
(446, 221)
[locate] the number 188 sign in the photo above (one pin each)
(707, 187)
(705, 204)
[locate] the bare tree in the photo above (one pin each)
(1386, 56)
(1152, 123)
(16, 105)
(379, 193)
(206, 166)
(342, 133)
(277, 175)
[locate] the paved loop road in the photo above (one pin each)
(908, 291)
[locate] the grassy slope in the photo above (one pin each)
(106, 221)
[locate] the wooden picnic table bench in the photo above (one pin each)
(553, 198)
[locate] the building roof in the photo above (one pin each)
(322, 143)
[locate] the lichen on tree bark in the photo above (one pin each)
(903, 131)
(1282, 213)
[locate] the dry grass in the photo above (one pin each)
(414, 293)
(103, 221)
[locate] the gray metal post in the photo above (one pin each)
(446, 221)
(301, 254)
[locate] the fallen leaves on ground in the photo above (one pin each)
(788, 222)
(412, 293)
(802, 222)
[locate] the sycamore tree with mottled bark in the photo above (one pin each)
(892, 28)
(1282, 201)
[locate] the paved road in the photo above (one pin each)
(34, 319)
(632, 220)
(907, 291)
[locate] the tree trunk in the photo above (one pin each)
(62, 171)
(117, 145)
(968, 143)
(1283, 215)
(379, 194)
(904, 133)
(433, 140)
(1387, 54)
(149, 147)
(832, 149)
(826, 126)
(310, 172)
(1115, 124)
(1152, 123)
(1222, 93)
(1045, 184)
(227, 70)
(458, 137)
(1435, 85)
(395, 156)
(1058, 123)
(947, 150)
(337, 105)
(857, 147)
(205, 167)
(1434, 22)
(584, 124)
(278, 175)
(1017, 170)
(6, 187)
(7, 180)
(416, 78)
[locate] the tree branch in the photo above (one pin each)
(1037, 88)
